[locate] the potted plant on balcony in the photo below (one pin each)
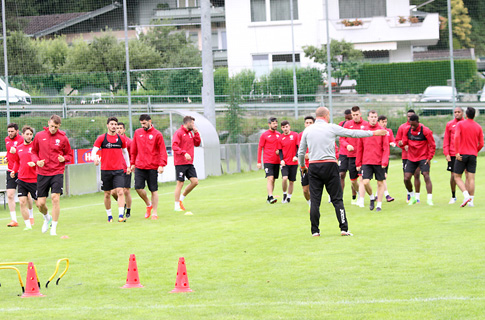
(402, 20)
(414, 19)
(349, 23)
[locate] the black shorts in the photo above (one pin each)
(53, 183)
(451, 164)
(290, 172)
(127, 183)
(112, 179)
(353, 174)
(185, 171)
(11, 182)
(404, 161)
(150, 176)
(386, 169)
(343, 163)
(411, 166)
(304, 179)
(25, 188)
(468, 162)
(371, 170)
(272, 169)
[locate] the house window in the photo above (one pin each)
(215, 40)
(223, 40)
(377, 56)
(285, 60)
(362, 8)
(260, 64)
(194, 38)
(279, 10)
(187, 3)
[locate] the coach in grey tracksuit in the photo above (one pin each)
(323, 169)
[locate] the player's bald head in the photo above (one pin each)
(322, 112)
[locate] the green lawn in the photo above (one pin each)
(250, 260)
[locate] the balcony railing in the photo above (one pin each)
(218, 14)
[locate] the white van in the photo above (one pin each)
(14, 95)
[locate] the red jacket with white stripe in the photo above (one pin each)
(148, 150)
(373, 150)
(184, 141)
(48, 147)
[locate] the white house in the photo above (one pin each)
(259, 31)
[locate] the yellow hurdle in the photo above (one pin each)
(18, 273)
(57, 269)
(21, 263)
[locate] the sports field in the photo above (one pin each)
(250, 260)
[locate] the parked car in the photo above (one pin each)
(439, 94)
(14, 95)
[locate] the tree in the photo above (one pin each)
(22, 55)
(344, 59)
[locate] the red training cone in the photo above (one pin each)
(31, 285)
(132, 279)
(182, 281)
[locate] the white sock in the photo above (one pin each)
(108, 212)
(309, 202)
(47, 217)
(149, 205)
(182, 197)
(386, 193)
(27, 223)
(430, 196)
(379, 205)
(284, 193)
(31, 213)
(372, 197)
(289, 195)
(465, 194)
(417, 196)
(121, 211)
(13, 216)
(411, 193)
(472, 197)
(54, 225)
(177, 204)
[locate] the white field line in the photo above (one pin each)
(256, 304)
(136, 198)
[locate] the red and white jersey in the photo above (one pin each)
(184, 141)
(9, 143)
(401, 131)
(449, 139)
(111, 151)
(20, 162)
(420, 142)
(468, 137)
(269, 142)
(148, 149)
(373, 150)
(307, 162)
(49, 147)
(354, 142)
(289, 144)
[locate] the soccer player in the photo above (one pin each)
(305, 184)
(269, 143)
(24, 170)
(288, 148)
(183, 142)
(351, 144)
(323, 170)
(148, 157)
(449, 148)
(50, 151)
(13, 140)
(127, 185)
(401, 131)
(343, 160)
(421, 147)
(114, 160)
(382, 121)
(468, 141)
(373, 158)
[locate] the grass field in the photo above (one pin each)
(250, 260)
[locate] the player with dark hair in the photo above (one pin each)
(24, 169)
(401, 131)
(449, 148)
(127, 176)
(343, 160)
(288, 148)
(50, 151)
(269, 143)
(305, 184)
(468, 142)
(183, 142)
(420, 145)
(148, 157)
(114, 160)
(382, 121)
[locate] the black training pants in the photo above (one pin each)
(326, 174)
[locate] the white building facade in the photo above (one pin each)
(259, 31)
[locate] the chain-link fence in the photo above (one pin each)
(388, 56)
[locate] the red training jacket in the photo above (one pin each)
(468, 137)
(20, 161)
(342, 151)
(373, 150)
(9, 143)
(48, 147)
(148, 150)
(449, 139)
(307, 162)
(289, 144)
(354, 142)
(269, 142)
(419, 150)
(403, 129)
(184, 141)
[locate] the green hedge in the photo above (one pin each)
(414, 77)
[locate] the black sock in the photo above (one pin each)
(453, 194)
(354, 197)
